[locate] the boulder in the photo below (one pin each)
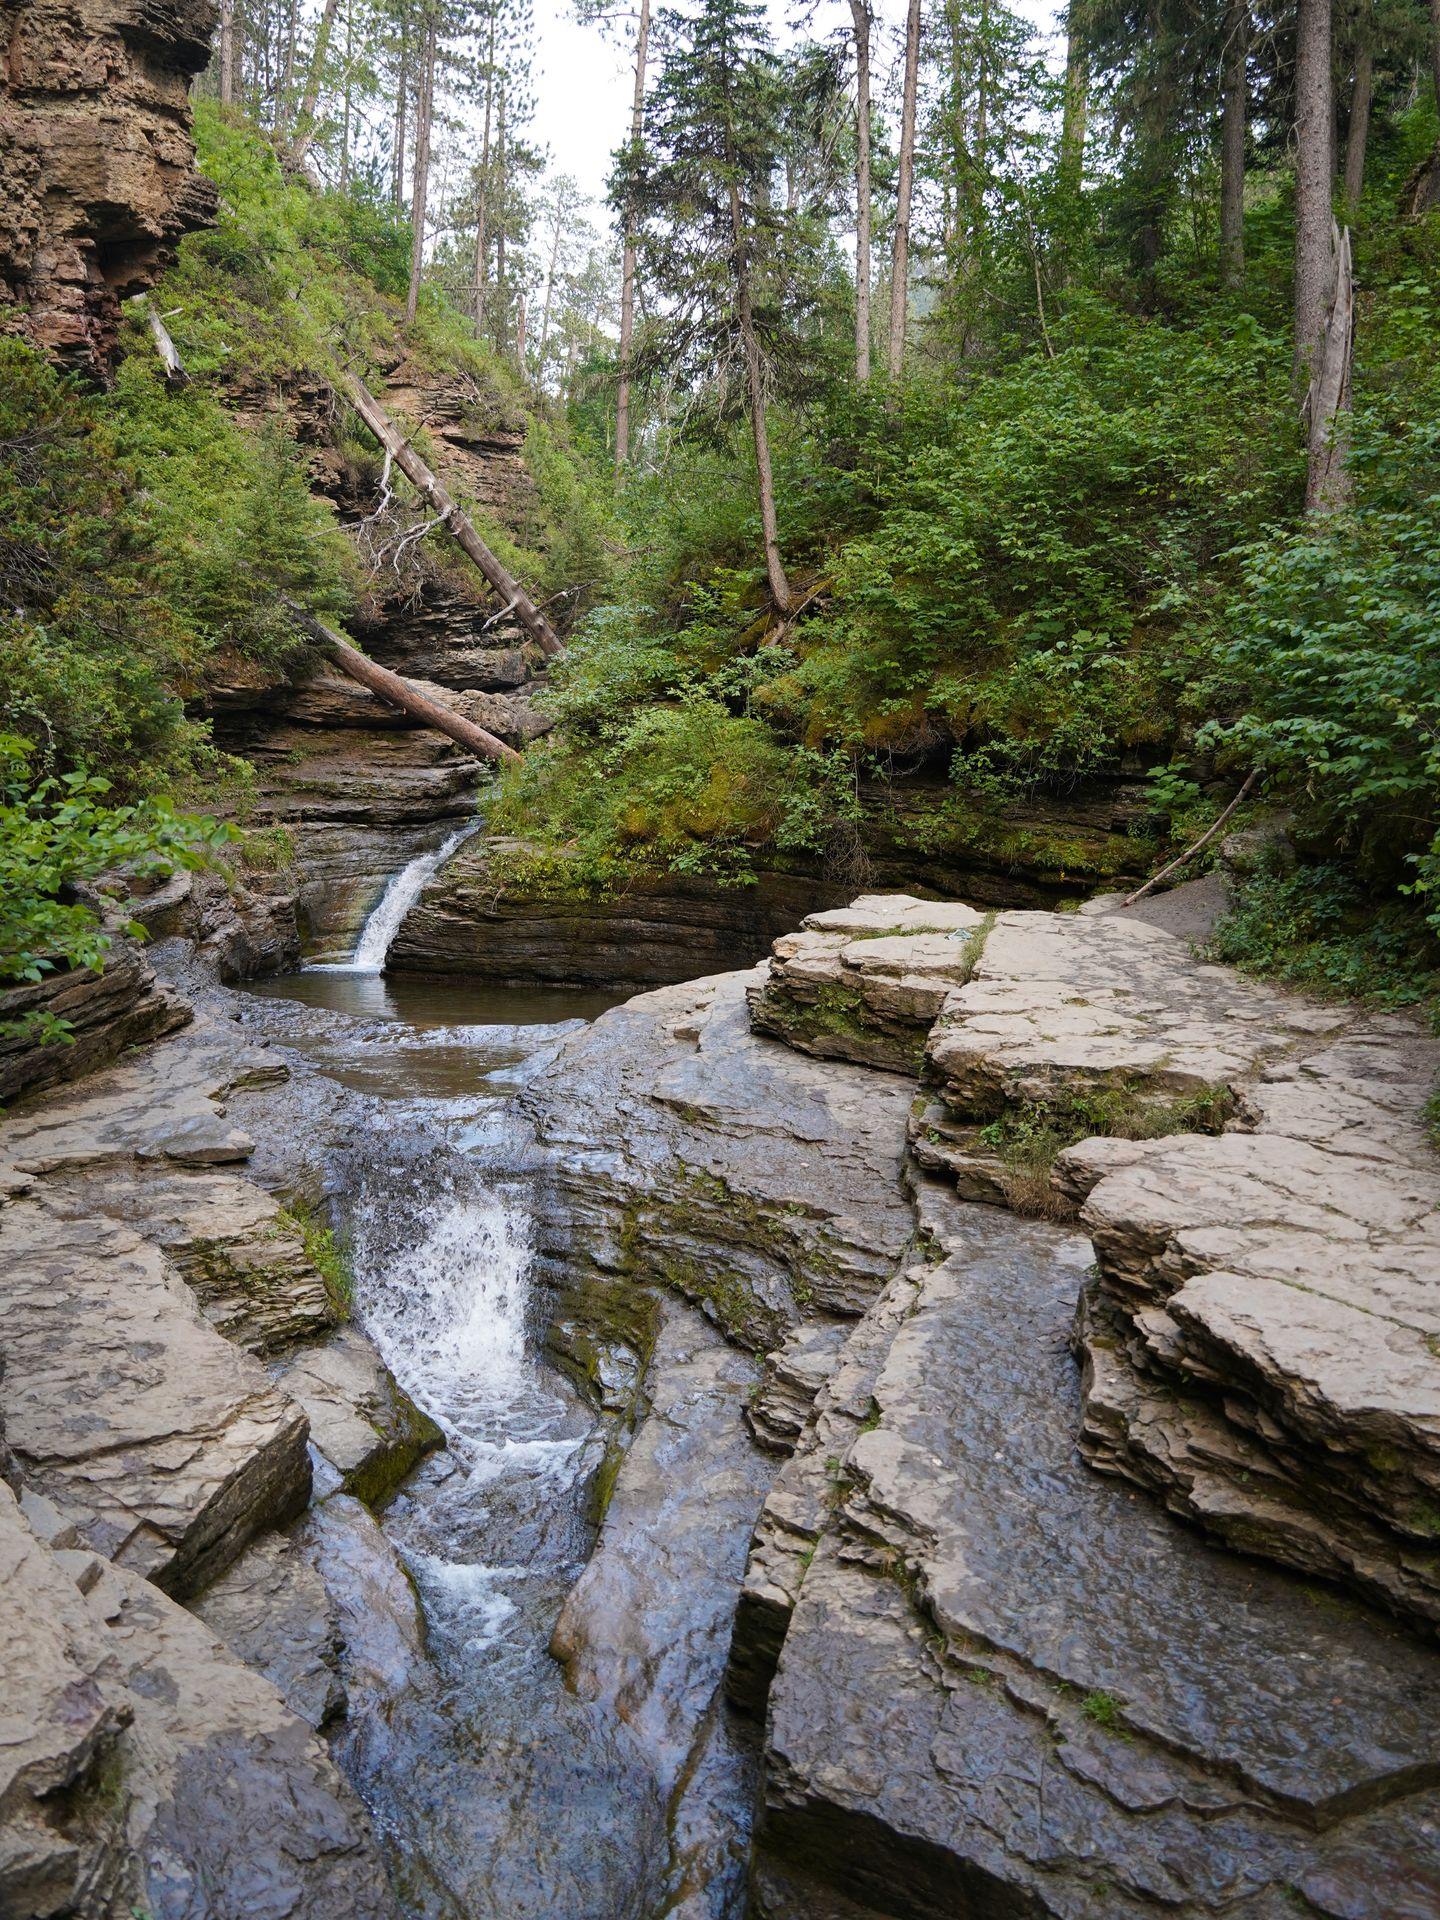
(164, 1446)
(272, 1611)
(145, 1767)
(366, 1426)
(866, 982)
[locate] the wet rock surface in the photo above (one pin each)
(645, 1630)
(145, 1766)
(687, 1150)
(1010, 1685)
(370, 1432)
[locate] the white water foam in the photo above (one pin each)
(448, 1311)
(402, 890)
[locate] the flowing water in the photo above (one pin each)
(495, 1790)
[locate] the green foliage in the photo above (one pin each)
(327, 1256)
(1334, 636)
(58, 834)
(1320, 928)
(143, 533)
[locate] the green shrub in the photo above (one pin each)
(57, 834)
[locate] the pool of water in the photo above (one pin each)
(437, 1003)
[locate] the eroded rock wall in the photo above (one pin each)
(97, 167)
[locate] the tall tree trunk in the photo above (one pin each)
(305, 118)
(860, 13)
(550, 284)
(1234, 113)
(900, 253)
(628, 262)
(1077, 104)
(227, 53)
(402, 95)
(424, 107)
(1359, 133)
(1435, 47)
(1314, 178)
(520, 317)
(457, 523)
(502, 296)
(287, 71)
(345, 118)
(1327, 478)
(755, 377)
(482, 185)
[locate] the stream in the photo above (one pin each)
(496, 1790)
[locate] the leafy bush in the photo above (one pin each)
(1320, 929)
(1335, 635)
(58, 834)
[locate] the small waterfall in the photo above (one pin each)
(402, 890)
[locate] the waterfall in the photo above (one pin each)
(402, 890)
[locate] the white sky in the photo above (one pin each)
(585, 79)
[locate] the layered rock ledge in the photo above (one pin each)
(164, 1338)
(994, 1680)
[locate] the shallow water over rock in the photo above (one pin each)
(500, 1784)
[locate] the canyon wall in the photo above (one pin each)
(97, 167)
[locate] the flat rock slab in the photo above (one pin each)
(866, 982)
(684, 1148)
(1060, 1006)
(272, 1611)
(165, 1446)
(242, 1255)
(148, 1771)
(1011, 1685)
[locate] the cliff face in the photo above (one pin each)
(97, 167)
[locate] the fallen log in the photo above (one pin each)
(400, 693)
(457, 523)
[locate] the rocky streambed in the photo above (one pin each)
(698, 1512)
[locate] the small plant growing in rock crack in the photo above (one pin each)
(327, 1257)
(872, 1417)
(1101, 1707)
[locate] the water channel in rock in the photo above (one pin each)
(496, 1791)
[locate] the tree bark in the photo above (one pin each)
(305, 118)
(227, 53)
(400, 693)
(424, 106)
(1435, 47)
(1314, 180)
(905, 186)
(860, 13)
(1359, 134)
(482, 183)
(457, 523)
(1233, 116)
(1076, 111)
(628, 263)
(402, 94)
(755, 375)
(1327, 479)
(501, 195)
(560, 211)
